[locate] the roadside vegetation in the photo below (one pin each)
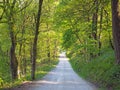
(102, 70)
(41, 70)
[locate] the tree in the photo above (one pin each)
(34, 52)
(9, 12)
(116, 28)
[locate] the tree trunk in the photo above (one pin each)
(94, 26)
(55, 49)
(24, 61)
(13, 59)
(34, 52)
(110, 40)
(48, 49)
(48, 44)
(99, 35)
(13, 62)
(95, 20)
(116, 28)
(9, 12)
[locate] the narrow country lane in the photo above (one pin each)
(61, 78)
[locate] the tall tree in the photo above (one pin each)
(9, 12)
(116, 28)
(34, 52)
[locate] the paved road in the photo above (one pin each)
(61, 78)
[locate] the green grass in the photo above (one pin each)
(102, 70)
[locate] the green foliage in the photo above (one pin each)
(4, 38)
(4, 71)
(68, 38)
(5, 68)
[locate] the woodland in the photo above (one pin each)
(34, 32)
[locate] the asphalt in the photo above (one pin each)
(60, 78)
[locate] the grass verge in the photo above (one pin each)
(102, 70)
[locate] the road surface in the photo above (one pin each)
(61, 78)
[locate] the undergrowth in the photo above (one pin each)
(102, 70)
(41, 70)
